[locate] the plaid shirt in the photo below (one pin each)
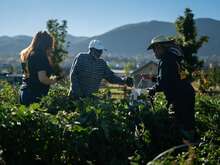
(86, 74)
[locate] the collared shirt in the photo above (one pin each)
(86, 75)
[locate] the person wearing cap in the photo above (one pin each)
(87, 71)
(178, 92)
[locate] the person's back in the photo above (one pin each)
(183, 98)
(36, 62)
(178, 92)
(91, 73)
(87, 71)
(36, 68)
(170, 80)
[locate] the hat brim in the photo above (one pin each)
(150, 47)
(163, 42)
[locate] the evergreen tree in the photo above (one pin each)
(190, 42)
(59, 32)
(128, 67)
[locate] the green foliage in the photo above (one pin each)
(188, 39)
(213, 76)
(208, 126)
(208, 80)
(59, 32)
(8, 93)
(60, 130)
(128, 67)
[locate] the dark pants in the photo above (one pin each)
(28, 97)
(184, 110)
(184, 115)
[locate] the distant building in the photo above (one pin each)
(6, 68)
(119, 72)
(6, 74)
(213, 61)
(142, 76)
(11, 78)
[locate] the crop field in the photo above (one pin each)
(59, 130)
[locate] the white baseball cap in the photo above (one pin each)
(96, 44)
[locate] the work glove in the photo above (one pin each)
(151, 91)
(129, 81)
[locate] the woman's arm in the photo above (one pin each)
(44, 79)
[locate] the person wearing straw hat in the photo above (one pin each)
(178, 92)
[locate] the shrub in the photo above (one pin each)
(60, 130)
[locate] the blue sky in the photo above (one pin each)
(93, 17)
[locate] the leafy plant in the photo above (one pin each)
(187, 38)
(59, 32)
(60, 130)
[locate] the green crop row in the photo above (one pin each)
(59, 130)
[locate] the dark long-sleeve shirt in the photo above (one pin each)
(169, 80)
(86, 75)
(168, 76)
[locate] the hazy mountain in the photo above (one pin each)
(210, 28)
(132, 39)
(75, 39)
(128, 40)
(11, 46)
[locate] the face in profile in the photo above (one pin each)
(97, 53)
(158, 51)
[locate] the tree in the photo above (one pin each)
(190, 42)
(214, 76)
(59, 32)
(128, 67)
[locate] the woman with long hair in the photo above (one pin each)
(37, 68)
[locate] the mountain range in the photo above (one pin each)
(128, 40)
